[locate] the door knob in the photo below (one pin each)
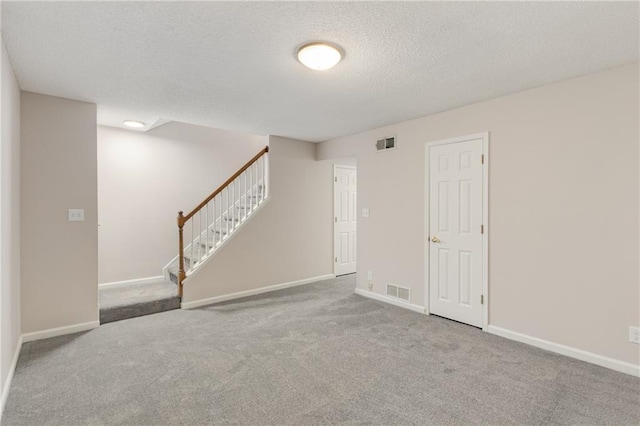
(435, 240)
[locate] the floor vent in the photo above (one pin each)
(398, 292)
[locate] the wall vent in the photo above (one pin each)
(386, 144)
(398, 292)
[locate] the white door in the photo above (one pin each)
(455, 231)
(344, 231)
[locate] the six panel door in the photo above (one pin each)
(455, 233)
(345, 216)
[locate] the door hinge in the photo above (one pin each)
(335, 179)
(482, 159)
(336, 260)
(482, 229)
(482, 299)
(335, 219)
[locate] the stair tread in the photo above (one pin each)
(117, 313)
(114, 297)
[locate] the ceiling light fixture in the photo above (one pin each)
(134, 124)
(319, 56)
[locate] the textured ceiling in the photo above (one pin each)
(231, 65)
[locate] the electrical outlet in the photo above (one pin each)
(634, 334)
(370, 276)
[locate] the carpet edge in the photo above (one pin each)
(12, 369)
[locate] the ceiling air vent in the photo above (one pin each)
(386, 143)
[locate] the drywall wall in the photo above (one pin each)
(290, 239)
(59, 172)
(144, 179)
(563, 208)
(10, 223)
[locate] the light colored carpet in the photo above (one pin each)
(120, 302)
(317, 354)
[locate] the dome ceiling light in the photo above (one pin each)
(134, 124)
(319, 56)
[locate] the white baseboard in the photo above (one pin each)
(238, 295)
(390, 300)
(60, 331)
(12, 369)
(146, 280)
(603, 361)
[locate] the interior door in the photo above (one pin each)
(344, 234)
(455, 231)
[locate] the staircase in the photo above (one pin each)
(202, 233)
(207, 228)
(213, 238)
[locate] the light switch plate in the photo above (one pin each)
(365, 212)
(76, 215)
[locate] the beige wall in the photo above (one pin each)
(59, 171)
(144, 179)
(563, 201)
(10, 219)
(290, 239)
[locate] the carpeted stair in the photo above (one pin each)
(133, 300)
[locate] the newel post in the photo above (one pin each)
(181, 272)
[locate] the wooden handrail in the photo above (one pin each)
(224, 185)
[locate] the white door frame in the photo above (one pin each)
(335, 175)
(485, 219)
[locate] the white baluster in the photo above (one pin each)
(262, 178)
(206, 229)
(257, 164)
(244, 209)
(214, 222)
(197, 239)
(223, 194)
(236, 210)
(266, 175)
(191, 259)
(227, 213)
(254, 193)
(259, 179)
(199, 235)
(233, 204)
(248, 171)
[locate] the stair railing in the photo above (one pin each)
(213, 221)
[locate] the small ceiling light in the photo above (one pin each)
(319, 56)
(134, 124)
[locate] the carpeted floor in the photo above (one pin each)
(133, 300)
(317, 354)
